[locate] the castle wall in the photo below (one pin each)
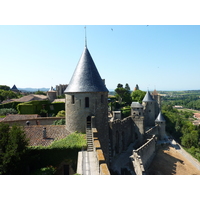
(143, 156)
(120, 135)
(123, 132)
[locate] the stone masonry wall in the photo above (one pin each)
(143, 156)
(121, 134)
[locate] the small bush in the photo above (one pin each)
(5, 111)
(61, 114)
(50, 170)
(59, 122)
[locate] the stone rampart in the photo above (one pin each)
(103, 168)
(143, 156)
(121, 134)
(152, 131)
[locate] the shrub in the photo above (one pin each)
(61, 114)
(5, 111)
(59, 122)
(50, 170)
(126, 112)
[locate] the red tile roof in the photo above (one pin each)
(197, 115)
(53, 132)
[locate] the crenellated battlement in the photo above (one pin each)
(143, 156)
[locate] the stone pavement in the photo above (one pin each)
(87, 163)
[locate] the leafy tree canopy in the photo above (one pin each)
(13, 146)
(138, 95)
(4, 87)
(123, 94)
(4, 94)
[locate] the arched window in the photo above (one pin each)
(87, 102)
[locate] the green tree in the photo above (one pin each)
(127, 87)
(4, 87)
(13, 146)
(138, 95)
(40, 93)
(123, 95)
(190, 139)
(4, 94)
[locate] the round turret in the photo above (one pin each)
(51, 94)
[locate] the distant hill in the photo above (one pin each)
(33, 89)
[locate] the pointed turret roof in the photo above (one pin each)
(160, 118)
(148, 97)
(86, 77)
(14, 87)
(155, 92)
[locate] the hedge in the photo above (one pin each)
(10, 105)
(61, 150)
(35, 107)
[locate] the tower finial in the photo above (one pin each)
(85, 37)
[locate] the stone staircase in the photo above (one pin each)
(90, 144)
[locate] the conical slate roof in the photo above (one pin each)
(148, 97)
(14, 87)
(86, 77)
(160, 118)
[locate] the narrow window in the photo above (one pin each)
(87, 102)
(73, 99)
(101, 98)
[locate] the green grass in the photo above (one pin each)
(2, 116)
(74, 140)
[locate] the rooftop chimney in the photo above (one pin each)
(44, 133)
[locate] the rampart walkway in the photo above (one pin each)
(87, 163)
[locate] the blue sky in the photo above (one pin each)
(165, 57)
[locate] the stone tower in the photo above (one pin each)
(160, 121)
(149, 110)
(157, 98)
(51, 94)
(86, 103)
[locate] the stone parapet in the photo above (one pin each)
(143, 156)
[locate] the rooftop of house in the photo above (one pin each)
(136, 105)
(58, 100)
(86, 77)
(53, 132)
(27, 98)
(17, 117)
(197, 115)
